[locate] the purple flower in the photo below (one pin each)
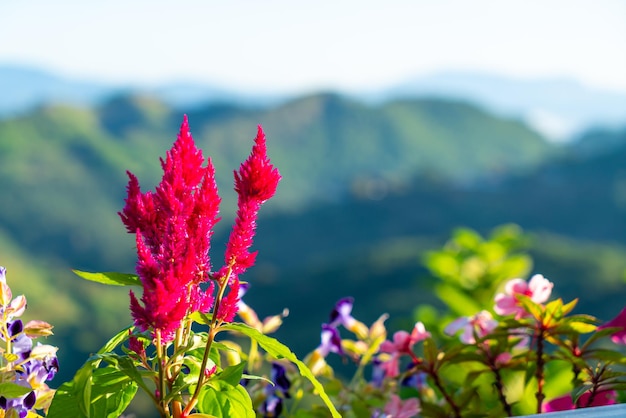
(272, 406)
(278, 375)
(478, 325)
(342, 315)
(330, 343)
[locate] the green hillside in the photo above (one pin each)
(366, 190)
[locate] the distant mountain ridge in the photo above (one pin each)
(366, 188)
(558, 108)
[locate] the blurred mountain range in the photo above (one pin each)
(368, 185)
(560, 109)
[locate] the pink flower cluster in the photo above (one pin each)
(538, 289)
(174, 225)
(402, 344)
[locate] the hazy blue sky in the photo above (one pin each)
(296, 45)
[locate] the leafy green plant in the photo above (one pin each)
(173, 353)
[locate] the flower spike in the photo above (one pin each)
(174, 225)
(255, 182)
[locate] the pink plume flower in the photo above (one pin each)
(174, 226)
(255, 182)
(230, 304)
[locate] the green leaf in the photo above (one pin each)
(279, 350)
(201, 318)
(531, 307)
(554, 310)
(458, 301)
(75, 398)
(232, 374)
(580, 390)
(580, 327)
(607, 355)
(126, 366)
(116, 340)
(567, 308)
(110, 278)
(430, 351)
(221, 399)
(106, 393)
(605, 332)
(13, 390)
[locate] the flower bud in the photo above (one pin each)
(34, 329)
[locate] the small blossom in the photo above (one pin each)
(35, 328)
(136, 345)
(565, 402)
(278, 375)
(378, 371)
(619, 336)
(538, 289)
(402, 343)
(229, 306)
(503, 359)
(271, 407)
(330, 343)
(398, 408)
(342, 315)
(478, 325)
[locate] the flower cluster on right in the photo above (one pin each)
(524, 352)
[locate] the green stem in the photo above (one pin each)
(213, 330)
(539, 375)
(455, 408)
(500, 389)
(161, 384)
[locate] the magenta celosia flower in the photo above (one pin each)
(478, 325)
(565, 402)
(538, 289)
(230, 304)
(255, 182)
(173, 226)
(619, 336)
